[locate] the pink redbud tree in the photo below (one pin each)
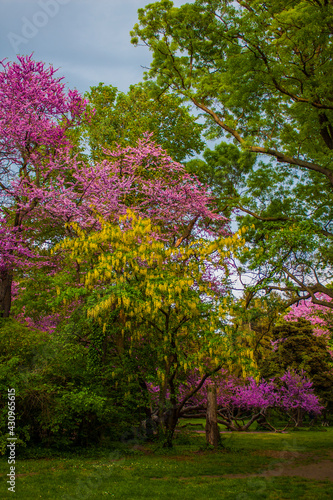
(319, 316)
(243, 402)
(35, 114)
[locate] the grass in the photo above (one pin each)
(188, 471)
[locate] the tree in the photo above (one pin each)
(35, 115)
(180, 212)
(261, 73)
(291, 393)
(224, 170)
(319, 316)
(295, 347)
(143, 178)
(62, 398)
(243, 401)
(164, 294)
(254, 321)
(44, 184)
(119, 118)
(212, 430)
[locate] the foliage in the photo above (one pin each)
(138, 294)
(253, 319)
(295, 347)
(319, 316)
(261, 74)
(143, 178)
(225, 171)
(170, 297)
(42, 179)
(60, 401)
(242, 402)
(121, 119)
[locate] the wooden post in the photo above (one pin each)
(212, 430)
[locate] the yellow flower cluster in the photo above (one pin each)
(147, 277)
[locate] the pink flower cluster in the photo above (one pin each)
(319, 316)
(239, 400)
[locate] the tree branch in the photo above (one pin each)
(186, 233)
(198, 387)
(280, 157)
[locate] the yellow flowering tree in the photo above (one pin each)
(171, 297)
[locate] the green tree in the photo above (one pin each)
(297, 348)
(120, 118)
(225, 170)
(66, 394)
(261, 73)
(254, 323)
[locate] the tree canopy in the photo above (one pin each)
(36, 113)
(119, 118)
(261, 74)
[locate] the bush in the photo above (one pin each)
(60, 401)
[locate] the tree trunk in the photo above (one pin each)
(212, 430)
(6, 279)
(299, 418)
(170, 423)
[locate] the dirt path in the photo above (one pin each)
(303, 465)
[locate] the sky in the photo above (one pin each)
(88, 40)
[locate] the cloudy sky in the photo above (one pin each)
(88, 40)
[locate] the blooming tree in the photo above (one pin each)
(318, 315)
(242, 402)
(296, 396)
(35, 114)
(44, 185)
(164, 292)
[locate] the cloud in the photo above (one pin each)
(89, 40)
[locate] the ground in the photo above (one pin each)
(306, 465)
(251, 466)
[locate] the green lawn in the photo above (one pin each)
(188, 471)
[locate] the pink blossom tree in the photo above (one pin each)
(296, 397)
(319, 316)
(142, 178)
(35, 114)
(242, 402)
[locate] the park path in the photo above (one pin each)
(293, 463)
(304, 465)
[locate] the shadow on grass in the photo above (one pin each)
(242, 470)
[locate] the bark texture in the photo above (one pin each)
(212, 430)
(6, 279)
